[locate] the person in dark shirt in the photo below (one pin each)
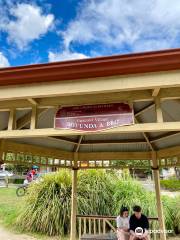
(138, 225)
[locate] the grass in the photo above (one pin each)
(10, 205)
(171, 184)
(98, 193)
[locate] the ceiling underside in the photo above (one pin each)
(131, 142)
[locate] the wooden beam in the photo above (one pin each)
(99, 142)
(146, 137)
(169, 93)
(93, 98)
(113, 142)
(19, 104)
(12, 119)
(79, 143)
(74, 199)
(95, 85)
(53, 101)
(158, 196)
(151, 105)
(164, 136)
(159, 114)
(26, 119)
(34, 117)
(141, 127)
(1, 151)
(36, 150)
(62, 139)
(83, 156)
(155, 92)
(32, 101)
(169, 152)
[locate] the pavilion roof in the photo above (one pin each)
(30, 96)
(123, 64)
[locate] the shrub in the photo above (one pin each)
(171, 184)
(48, 202)
(47, 206)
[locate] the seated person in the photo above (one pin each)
(122, 222)
(139, 225)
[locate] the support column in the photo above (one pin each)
(1, 151)
(74, 198)
(12, 119)
(156, 177)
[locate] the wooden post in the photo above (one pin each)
(159, 114)
(156, 176)
(1, 151)
(74, 198)
(33, 117)
(12, 119)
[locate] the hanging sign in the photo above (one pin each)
(94, 117)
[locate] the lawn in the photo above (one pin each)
(10, 205)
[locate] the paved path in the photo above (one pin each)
(6, 235)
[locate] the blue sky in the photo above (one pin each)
(39, 31)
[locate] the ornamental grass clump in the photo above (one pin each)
(95, 191)
(130, 193)
(47, 205)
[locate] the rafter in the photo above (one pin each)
(164, 136)
(32, 101)
(76, 149)
(26, 119)
(151, 105)
(62, 139)
(155, 92)
(159, 115)
(12, 119)
(146, 137)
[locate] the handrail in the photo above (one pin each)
(108, 217)
(99, 224)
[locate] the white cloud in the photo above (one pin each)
(139, 25)
(65, 55)
(28, 23)
(3, 61)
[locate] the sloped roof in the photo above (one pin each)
(155, 61)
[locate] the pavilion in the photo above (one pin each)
(149, 83)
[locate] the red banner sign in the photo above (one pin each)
(94, 117)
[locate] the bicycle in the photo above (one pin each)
(22, 190)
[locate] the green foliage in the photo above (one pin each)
(16, 168)
(131, 192)
(95, 191)
(47, 206)
(171, 184)
(9, 206)
(16, 180)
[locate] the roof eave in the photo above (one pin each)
(92, 68)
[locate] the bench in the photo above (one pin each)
(110, 236)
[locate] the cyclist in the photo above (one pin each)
(32, 174)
